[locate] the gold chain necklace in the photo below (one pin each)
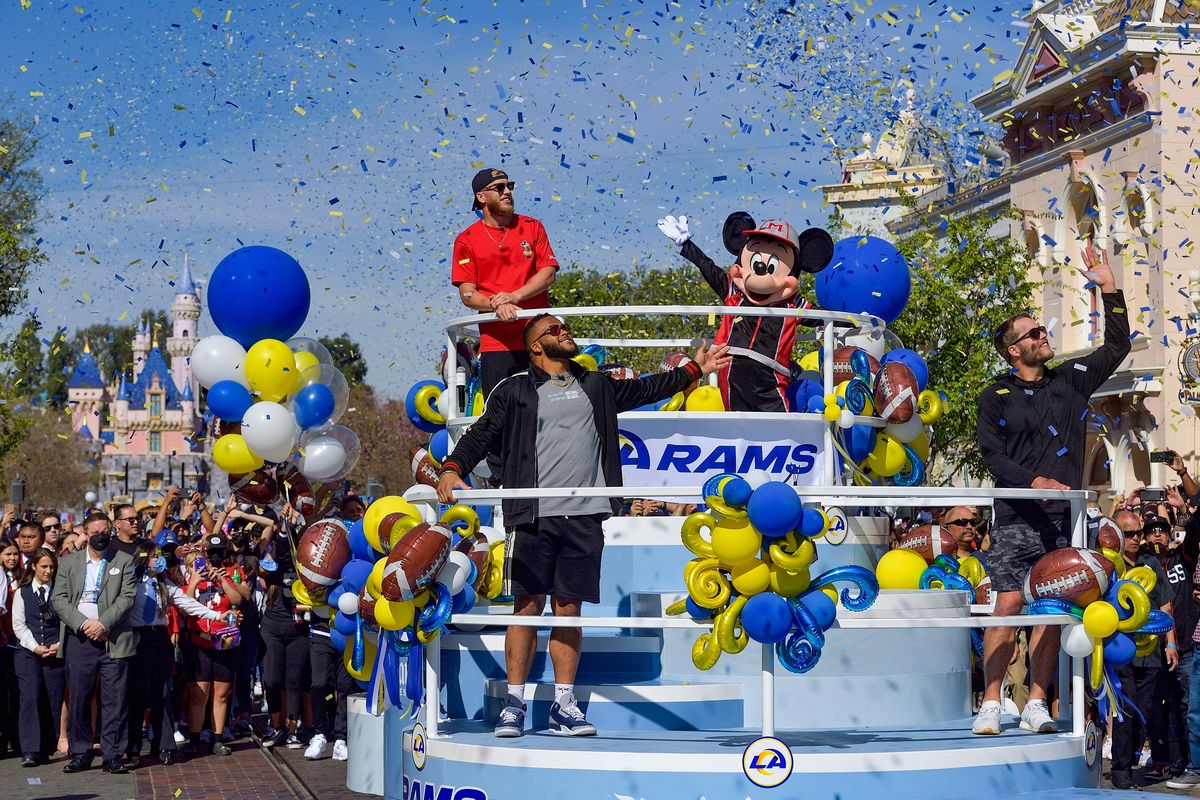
(498, 242)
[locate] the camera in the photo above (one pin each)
(1162, 456)
(1153, 495)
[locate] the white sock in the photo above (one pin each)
(561, 690)
(516, 691)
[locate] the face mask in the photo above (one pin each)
(99, 541)
(159, 566)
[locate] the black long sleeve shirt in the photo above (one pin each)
(1037, 429)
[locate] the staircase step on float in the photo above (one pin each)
(659, 705)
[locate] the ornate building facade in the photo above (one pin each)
(1100, 150)
(145, 422)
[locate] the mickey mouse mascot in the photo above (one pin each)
(764, 275)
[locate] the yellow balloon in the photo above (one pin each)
(587, 361)
(972, 569)
(271, 370)
(811, 361)
(233, 455)
(888, 457)
(734, 541)
(900, 569)
(931, 406)
(368, 662)
(304, 360)
(380, 509)
(375, 579)
(675, 403)
(394, 615)
(704, 398)
(830, 592)
(920, 446)
(788, 584)
(751, 578)
(301, 593)
(1100, 619)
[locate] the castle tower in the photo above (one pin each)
(86, 396)
(185, 316)
(141, 347)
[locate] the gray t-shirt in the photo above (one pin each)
(568, 448)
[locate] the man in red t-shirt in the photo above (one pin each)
(503, 263)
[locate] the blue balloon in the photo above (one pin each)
(464, 601)
(866, 275)
(699, 613)
(860, 441)
(410, 407)
(439, 445)
(337, 640)
(801, 391)
(774, 509)
(257, 293)
(816, 404)
(359, 545)
(1123, 612)
(811, 522)
(1119, 649)
(344, 624)
(487, 514)
(313, 405)
(229, 400)
(334, 595)
(767, 618)
(355, 574)
(736, 492)
(823, 609)
(911, 359)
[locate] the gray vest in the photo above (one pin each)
(40, 618)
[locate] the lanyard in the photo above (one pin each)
(100, 575)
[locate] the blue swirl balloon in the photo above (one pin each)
(949, 580)
(807, 625)
(1159, 622)
(858, 394)
(797, 653)
(436, 614)
(860, 365)
(862, 579)
(947, 562)
(913, 473)
(977, 642)
(1052, 605)
(359, 657)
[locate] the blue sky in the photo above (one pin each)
(347, 135)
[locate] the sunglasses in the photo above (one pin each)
(966, 522)
(1032, 333)
(555, 330)
(499, 188)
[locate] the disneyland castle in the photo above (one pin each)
(145, 423)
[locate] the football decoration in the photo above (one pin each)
(843, 370)
(415, 560)
(930, 541)
(424, 468)
(296, 490)
(983, 592)
(476, 547)
(1107, 536)
(393, 526)
(895, 392)
(1070, 573)
(323, 551)
(257, 488)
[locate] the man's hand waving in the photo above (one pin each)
(714, 359)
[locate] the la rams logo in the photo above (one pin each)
(837, 525)
(418, 746)
(1091, 743)
(767, 762)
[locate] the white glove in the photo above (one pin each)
(675, 229)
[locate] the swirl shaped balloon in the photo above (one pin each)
(707, 585)
(793, 553)
(1132, 597)
(859, 577)
(913, 472)
(690, 533)
(728, 627)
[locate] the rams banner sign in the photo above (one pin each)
(658, 454)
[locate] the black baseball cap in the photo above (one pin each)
(1156, 523)
(481, 181)
(216, 542)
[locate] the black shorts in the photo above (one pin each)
(201, 665)
(1015, 549)
(559, 556)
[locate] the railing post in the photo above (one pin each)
(827, 389)
(433, 687)
(1078, 701)
(768, 690)
(452, 409)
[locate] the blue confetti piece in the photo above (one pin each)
(1053, 430)
(1061, 452)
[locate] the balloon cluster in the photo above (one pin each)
(1112, 630)
(897, 453)
(751, 577)
(279, 398)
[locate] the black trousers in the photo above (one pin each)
(41, 682)
(493, 368)
(9, 701)
(87, 661)
(1139, 684)
(331, 685)
(150, 691)
(243, 682)
(285, 664)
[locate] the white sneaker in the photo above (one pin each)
(1036, 718)
(987, 721)
(180, 738)
(340, 751)
(1106, 750)
(316, 747)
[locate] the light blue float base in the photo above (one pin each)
(895, 763)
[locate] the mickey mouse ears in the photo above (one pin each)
(816, 250)
(734, 232)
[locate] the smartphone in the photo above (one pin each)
(201, 563)
(1162, 456)
(1153, 496)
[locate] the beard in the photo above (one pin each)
(1035, 358)
(556, 349)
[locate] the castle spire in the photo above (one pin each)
(186, 284)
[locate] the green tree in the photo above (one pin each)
(61, 358)
(966, 281)
(28, 367)
(386, 436)
(49, 441)
(20, 188)
(348, 357)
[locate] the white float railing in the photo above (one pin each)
(876, 496)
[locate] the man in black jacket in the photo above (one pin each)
(555, 425)
(1032, 430)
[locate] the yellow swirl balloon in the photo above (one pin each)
(1117, 560)
(705, 651)
(708, 586)
(972, 570)
(1131, 596)
(677, 608)
(1097, 674)
(675, 403)
(931, 406)
(461, 513)
(1147, 644)
(728, 627)
(493, 580)
(735, 541)
(1142, 576)
(793, 552)
(690, 533)
(425, 401)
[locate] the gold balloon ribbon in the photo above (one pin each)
(1143, 576)
(1132, 597)
(707, 585)
(461, 513)
(706, 651)
(690, 533)
(793, 552)
(1097, 676)
(728, 627)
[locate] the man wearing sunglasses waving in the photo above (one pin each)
(1032, 427)
(555, 425)
(502, 263)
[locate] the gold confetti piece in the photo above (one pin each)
(229, 15)
(35, 94)
(85, 134)
(199, 14)
(357, 114)
(299, 110)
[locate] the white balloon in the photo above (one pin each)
(453, 574)
(1077, 642)
(321, 458)
(270, 431)
(757, 477)
(348, 604)
(906, 431)
(846, 419)
(218, 358)
(89, 497)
